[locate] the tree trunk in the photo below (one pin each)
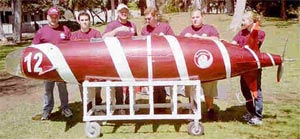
(112, 3)
(230, 6)
(142, 5)
(283, 10)
(17, 12)
(196, 4)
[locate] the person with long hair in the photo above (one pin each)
(254, 99)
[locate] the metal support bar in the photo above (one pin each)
(196, 95)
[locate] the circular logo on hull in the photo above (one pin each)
(203, 59)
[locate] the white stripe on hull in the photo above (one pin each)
(225, 56)
(254, 55)
(119, 59)
(149, 59)
(179, 57)
(271, 58)
(58, 61)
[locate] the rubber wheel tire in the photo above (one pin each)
(92, 129)
(194, 130)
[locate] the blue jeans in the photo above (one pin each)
(259, 104)
(253, 107)
(48, 96)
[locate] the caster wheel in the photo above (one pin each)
(92, 129)
(195, 130)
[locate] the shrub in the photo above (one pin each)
(133, 5)
(170, 7)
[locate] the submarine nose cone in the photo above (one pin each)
(12, 63)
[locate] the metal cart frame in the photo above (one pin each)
(92, 128)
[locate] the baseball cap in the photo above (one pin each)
(53, 11)
(122, 6)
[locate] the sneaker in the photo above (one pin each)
(211, 115)
(66, 112)
(247, 116)
(45, 116)
(255, 121)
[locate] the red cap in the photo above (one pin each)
(53, 11)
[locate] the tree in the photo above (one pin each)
(270, 8)
(142, 5)
(230, 6)
(196, 4)
(89, 5)
(112, 5)
(283, 10)
(17, 13)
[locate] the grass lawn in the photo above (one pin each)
(281, 100)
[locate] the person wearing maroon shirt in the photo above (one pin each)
(86, 33)
(200, 30)
(121, 27)
(53, 33)
(155, 27)
(251, 20)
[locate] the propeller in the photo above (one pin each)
(280, 68)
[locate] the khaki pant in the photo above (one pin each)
(209, 89)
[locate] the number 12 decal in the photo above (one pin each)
(38, 57)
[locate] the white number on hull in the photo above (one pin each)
(38, 57)
(28, 61)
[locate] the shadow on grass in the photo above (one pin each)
(76, 108)
(140, 123)
(233, 113)
(155, 123)
(78, 116)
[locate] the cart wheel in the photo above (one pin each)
(195, 130)
(92, 129)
